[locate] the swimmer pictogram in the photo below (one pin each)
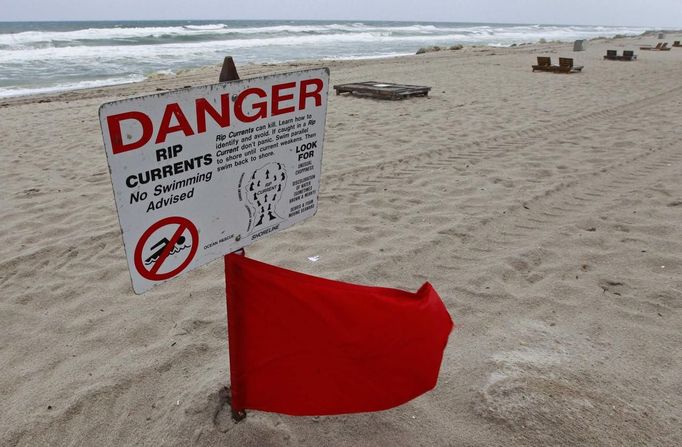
(177, 248)
(166, 248)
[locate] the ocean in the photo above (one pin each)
(39, 57)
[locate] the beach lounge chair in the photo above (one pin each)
(611, 55)
(665, 47)
(566, 66)
(677, 44)
(650, 48)
(544, 64)
(628, 56)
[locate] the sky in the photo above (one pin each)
(653, 13)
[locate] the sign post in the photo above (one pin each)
(204, 171)
(229, 73)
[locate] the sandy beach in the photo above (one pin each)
(546, 210)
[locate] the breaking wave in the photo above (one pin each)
(66, 55)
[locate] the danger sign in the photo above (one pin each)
(201, 172)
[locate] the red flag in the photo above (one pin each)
(303, 345)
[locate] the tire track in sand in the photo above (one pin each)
(473, 234)
(358, 179)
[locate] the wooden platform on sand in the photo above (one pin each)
(382, 90)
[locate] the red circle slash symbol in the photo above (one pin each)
(166, 248)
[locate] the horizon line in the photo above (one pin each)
(656, 27)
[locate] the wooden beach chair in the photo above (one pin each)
(665, 47)
(566, 66)
(650, 48)
(628, 56)
(611, 55)
(544, 64)
(677, 44)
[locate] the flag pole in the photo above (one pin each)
(238, 413)
(229, 73)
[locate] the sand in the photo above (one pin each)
(546, 210)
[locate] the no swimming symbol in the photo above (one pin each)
(166, 248)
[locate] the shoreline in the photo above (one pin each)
(160, 73)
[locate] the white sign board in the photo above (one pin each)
(201, 172)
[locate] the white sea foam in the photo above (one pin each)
(11, 92)
(206, 27)
(31, 38)
(56, 57)
(182, 49)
